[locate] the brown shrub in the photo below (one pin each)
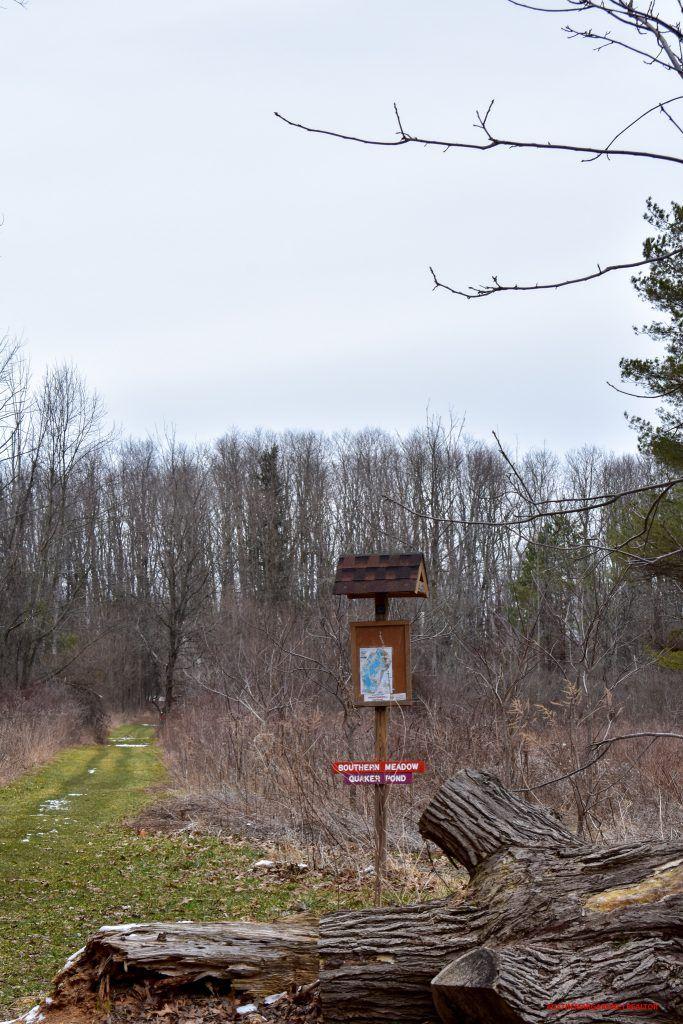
(270, 777)
(35, 727)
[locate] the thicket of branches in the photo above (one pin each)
(151, 571)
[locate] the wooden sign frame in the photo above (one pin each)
(382, 634)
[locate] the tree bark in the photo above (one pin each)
(169, 674)
(473, 816)
(546, 918)
(511, 985)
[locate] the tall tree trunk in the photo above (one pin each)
(169, 673)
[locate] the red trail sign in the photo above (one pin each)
(373, 767)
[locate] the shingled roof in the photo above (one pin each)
(395, 575)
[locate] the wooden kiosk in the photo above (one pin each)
(380, 654)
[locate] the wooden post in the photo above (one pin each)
(384, 575)
(381, 754)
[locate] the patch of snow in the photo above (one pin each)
(34, 1015)
(271, 1000)
(247, 1008)
(54, 805)
(264, 864)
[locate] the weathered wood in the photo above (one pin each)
(255, 959)
(536, 891)
(473, 816)
(511, 986)
(381, 752)
(381, 793)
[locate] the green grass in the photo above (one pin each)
(57, 888)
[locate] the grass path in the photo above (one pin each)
(68, 864)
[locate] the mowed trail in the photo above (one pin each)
(69, 864)
(59, 868)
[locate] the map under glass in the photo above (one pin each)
(376, 673)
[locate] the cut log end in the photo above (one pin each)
(464, 991)
(629, 983)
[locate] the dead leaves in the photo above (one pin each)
(301, 1005)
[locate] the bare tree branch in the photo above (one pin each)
(587, 505)
(567, 775)
(602, 747)
(658, 106)
(492, 142)
(483, 291)
(634, 394)
(666, 38)
(639, 735)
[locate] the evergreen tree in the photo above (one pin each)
(272, 547)
(650, 531)
(545, 587)
(662, 375)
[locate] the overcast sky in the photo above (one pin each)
(207, 266)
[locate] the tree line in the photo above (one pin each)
(139, 570)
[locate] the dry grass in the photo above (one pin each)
(271, 780)
(34, 729)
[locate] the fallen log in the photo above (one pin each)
(549, 928)
(546, 919)
(251, 959)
